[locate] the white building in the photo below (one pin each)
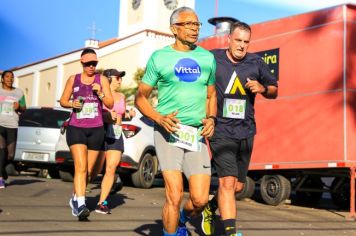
(143, 28)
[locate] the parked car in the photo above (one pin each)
(138, 161)
(38, 134)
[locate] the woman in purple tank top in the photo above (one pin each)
(85, 93)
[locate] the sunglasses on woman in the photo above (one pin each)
(90, 63)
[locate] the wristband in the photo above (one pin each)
(266, 89)
(213, 117)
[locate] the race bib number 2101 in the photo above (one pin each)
(186, 137)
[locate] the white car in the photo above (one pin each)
(38, 134)
(139, 158)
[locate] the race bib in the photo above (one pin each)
(234, 108)
(7, 108)
(114, 131)
(88, 111)
(186, 137)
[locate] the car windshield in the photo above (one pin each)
(46, 118)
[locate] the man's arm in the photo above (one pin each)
(211, 101)
(169, 122)
(209, 122)
(142, 103)
(270, 92)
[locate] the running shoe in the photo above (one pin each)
(74, 205)
(182, 231)
(2, 183)
(88, 189)
(103, 208)
(83, 212)
(208, 218)
(117, 186)
(238, 234)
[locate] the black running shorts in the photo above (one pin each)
(9, 135)
(232, 156)
(93, 138)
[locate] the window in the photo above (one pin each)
(43, 117)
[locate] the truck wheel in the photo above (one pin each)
(145, 175)
(66, 175)
(340, 192)
(248, 190)
(308, 197)
(275, 189)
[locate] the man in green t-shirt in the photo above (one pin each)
(185, 78)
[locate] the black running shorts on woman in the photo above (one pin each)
(92, 137)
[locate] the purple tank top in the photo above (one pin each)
(90, 116)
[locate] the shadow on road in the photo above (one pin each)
(114, 200)
(25, 181)
(150, 229)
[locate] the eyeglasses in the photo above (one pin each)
(189, 24)
(90, 63)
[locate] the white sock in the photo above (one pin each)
(81, 201)
(74, 197)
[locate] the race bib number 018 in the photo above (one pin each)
(234, 108)
(186, 137)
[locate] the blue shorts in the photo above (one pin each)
(114, 144)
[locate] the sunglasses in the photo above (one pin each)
(90, 63)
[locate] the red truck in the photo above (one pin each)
(309, 131)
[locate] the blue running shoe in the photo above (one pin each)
(83, 213)
(238, 234)
(2, 183)
(74, 205)
(182, 231)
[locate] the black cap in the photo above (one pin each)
(113, 72)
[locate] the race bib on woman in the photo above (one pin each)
(7, 108)
(114, 131)
(88, 111)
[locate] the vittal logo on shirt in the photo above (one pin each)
(187, 70)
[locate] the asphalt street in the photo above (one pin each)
(37, 206)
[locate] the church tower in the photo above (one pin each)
(138, 15)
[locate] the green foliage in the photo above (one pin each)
(139, 75)
(131, 92)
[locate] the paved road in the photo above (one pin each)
(35, 206)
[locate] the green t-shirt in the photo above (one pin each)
(182, 79)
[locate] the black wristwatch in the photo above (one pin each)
(214, 118)
(266, 89)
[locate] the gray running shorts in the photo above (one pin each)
(175, 158)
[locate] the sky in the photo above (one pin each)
(33, 30)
